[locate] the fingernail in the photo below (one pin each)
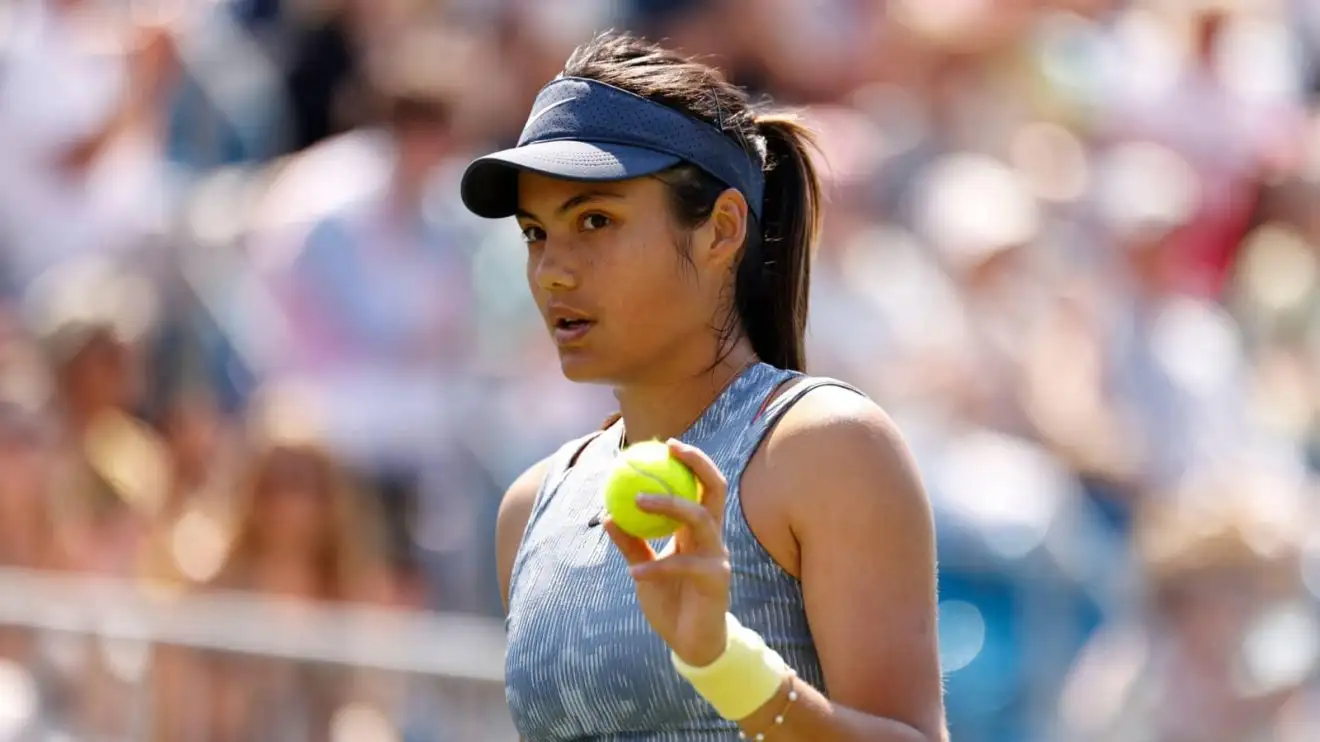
(649, 499)
(637, 570)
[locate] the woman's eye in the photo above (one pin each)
(591, 222)
(533, 234)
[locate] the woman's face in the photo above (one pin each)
(626, 296)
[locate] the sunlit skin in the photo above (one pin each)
(609, 252)
(860, 540)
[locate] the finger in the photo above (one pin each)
(714, 487)
(707, 570)
(702, 527)
(633, 549)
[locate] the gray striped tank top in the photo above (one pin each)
(582, 662)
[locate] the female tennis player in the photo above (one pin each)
(669, 228)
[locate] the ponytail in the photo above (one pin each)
(773, 282)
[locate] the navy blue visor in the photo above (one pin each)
(589, 131)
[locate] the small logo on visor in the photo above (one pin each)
(532, 119)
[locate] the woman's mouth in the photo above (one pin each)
(568, 331)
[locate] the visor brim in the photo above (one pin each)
(490, 183)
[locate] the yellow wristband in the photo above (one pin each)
(741, 680)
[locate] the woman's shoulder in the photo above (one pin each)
(519, 502)
(520, 497)
(840, 445)
(814, 407)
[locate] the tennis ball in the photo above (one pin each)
(647, 468)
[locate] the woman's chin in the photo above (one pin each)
(583, 367)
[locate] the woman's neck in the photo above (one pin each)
(664, 410)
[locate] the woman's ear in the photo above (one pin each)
(721, 238)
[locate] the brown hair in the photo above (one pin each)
(348, 558)
(771, 286)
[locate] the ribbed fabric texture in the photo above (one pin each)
(582, 662)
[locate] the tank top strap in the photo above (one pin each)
(561, 461)
(560, 464)
(773, 407)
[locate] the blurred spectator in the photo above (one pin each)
(1251, 92)
(79, 113)
(225, 105)
(300, 532)
(379, 295)
(111, 467)
(1227, 638)
(328, 80)
(189, 532)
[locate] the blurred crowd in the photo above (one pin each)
(250, 340)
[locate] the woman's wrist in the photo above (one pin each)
(708, 653)
(770, 718)
(741, 680)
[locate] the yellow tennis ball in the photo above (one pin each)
(647, 468)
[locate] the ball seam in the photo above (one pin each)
(667, 489)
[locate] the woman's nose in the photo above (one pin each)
(553, 268)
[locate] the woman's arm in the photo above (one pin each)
(867, 564)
